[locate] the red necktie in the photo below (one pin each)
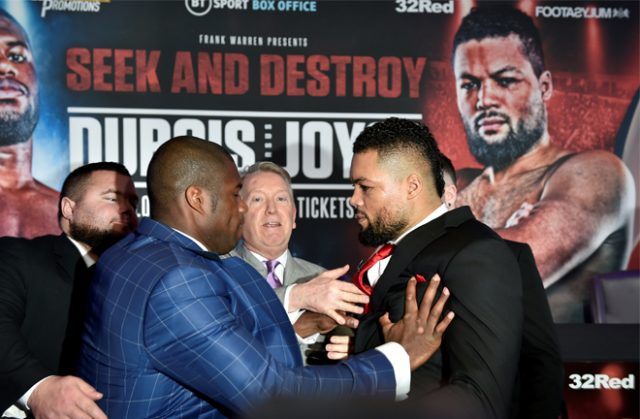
(384, 252)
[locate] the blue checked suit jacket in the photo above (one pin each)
(174, 331)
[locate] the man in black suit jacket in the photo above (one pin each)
(539, 383)
(396, 171)
(43, 281)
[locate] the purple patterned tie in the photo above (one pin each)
(272, 278)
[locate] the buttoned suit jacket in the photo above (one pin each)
(473, 373)
(37, 317)
(295, 270)
(174, 331)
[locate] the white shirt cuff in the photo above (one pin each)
(399, 359)
(309, 340)
(23, 402)
(285, 302)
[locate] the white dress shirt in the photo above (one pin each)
(376, 271)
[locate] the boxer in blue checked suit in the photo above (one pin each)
(175, 331)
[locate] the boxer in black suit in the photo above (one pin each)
(397, 174)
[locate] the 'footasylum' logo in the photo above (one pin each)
(92, 6)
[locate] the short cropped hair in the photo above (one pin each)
(75, 183)
(269, 167)
(501, 21)
(447, 168)
(402, 137)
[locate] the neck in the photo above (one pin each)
(15, 164)
(269, 254)
(541, 154)
(421, 213)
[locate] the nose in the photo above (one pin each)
(127, 208)
(270, 206)
(487, 96)
(6, 65)
(355, 200)
(242, 206)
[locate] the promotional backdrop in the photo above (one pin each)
(295, 81)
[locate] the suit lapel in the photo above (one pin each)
(367, 335)
(406, 251)
(414, 243)
(68, 258)
(248, 257)
(292, 270)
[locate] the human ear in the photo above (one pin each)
(546, 85)
(67, 206)
(195, 198)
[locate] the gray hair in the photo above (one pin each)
(268, 167)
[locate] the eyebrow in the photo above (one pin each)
(115, 191)
(506, 69)
(499, 72)
(18, 43)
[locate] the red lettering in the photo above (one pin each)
(294, 74)
(101, 69)
(210, 72)
(80, 77)
(389, 77)
(341, 61)
(271, 75)
(316, 66)
(146, 74)
(183, 78)
(414, 74)
(122, 70)
(236, 74)
(364, 76)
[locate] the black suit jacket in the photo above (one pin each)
(36, 337)
(538, 390)
(473, 373)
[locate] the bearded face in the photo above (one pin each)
(17, 127)
(381, 229)
(18, 85)
(98, 239)
(500, 99)
(518, 140)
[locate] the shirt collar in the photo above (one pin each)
(89, 258)
(282, 258)
(200, 245)
(442, 209)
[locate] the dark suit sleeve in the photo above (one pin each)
(539, 394)
(474, 373)
(19, 369)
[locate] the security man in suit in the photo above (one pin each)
(43, 282)
(539, 383)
